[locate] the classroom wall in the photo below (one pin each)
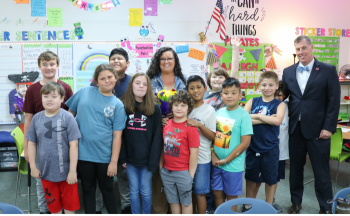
(181, 21)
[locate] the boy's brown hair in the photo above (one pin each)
(182, 97)
(52, 87)
(48, 56)
(269, 75)
(218, 72)
(148, 102)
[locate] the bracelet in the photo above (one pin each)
(212, 149)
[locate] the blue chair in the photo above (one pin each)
(258, 207)
(341, 194)
(10, 209)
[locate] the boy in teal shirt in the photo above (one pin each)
(233, 133)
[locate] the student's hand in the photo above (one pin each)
(170, 115)
(72, 177)
(235, 42)
(220, 163)
(35, 173)
(112, 169)
(192, 174)
(124, 165)
(164, 121)
(193, 123)
(214, 159)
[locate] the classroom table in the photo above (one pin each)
(346, 135)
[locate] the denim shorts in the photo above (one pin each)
(201, 181)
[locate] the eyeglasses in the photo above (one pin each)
(170, 59)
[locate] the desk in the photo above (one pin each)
(346, 135)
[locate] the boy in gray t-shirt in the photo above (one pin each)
(53, 134)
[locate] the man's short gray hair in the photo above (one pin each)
(301, 37)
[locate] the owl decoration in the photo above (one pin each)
(164, 97)
(144, 31)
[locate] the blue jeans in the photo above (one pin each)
(140, 182)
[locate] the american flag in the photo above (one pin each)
(219, 16)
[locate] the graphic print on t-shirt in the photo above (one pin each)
(223, 132)
(109, 110)
(263, 110)
(51, 129)
(171, 143)
(142, 121)
(214, 102)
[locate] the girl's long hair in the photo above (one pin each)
(148, 102)
(154, 68)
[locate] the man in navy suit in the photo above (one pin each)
(314, 103)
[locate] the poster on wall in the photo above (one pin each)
(251, 60)
(326, 49)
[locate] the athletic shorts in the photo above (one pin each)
(61, 195)
(177, 186)
(262, 167)
(229, 182)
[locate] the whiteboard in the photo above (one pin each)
(79, 62)
(87, 57)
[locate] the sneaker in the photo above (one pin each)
(277, 206)
(207, 212)
(126, 210)
(245, 208)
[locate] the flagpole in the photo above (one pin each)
(208, 25)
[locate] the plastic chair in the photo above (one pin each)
(258, 207)
(10, 209)
(336, 151)
(341, 194)
(17, 134)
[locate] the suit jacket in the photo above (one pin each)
(320, 103)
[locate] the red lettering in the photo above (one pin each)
(251, 85)
(247, 66)
(242, 41)
(247, 41)
(256, 86)
(251, 40)
(256, 41)
(255, 66)
(243, 66)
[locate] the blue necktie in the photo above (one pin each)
(301, 69)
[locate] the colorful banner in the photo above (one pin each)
(87, 6)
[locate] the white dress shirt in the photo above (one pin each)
(303, 77)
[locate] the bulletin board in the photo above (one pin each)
(326, 49)
(252, 59)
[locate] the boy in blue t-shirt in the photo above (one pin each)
(233, 134)
(262, 158)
